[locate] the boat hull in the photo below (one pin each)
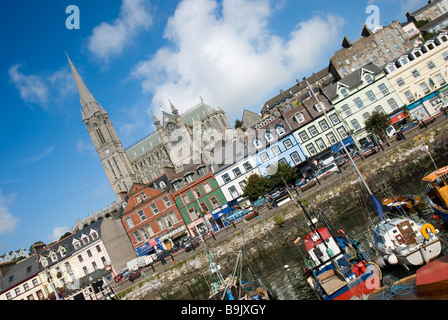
(417, 257)
(364, 285)
(442, 213)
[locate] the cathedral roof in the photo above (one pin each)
(140, 148)
(198, 113)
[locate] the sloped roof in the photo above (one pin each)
(352, 80)
(19, 272)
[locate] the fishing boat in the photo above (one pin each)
(233, 287)
(437, 192)
(405, 241)
(404, 204)
(337, 268)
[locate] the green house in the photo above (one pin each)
(197, 194)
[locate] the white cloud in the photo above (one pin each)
(8, 222)
(229, 56)
(32, 88)
(38, 157)
(42, 90)
(110, 39)
(57, 233)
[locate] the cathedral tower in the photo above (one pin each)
(105, 139)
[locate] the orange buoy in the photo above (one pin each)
(297, 240)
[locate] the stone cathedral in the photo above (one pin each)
(170, 147)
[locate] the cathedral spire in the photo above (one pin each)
(84, 94)
(173, 109)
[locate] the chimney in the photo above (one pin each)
(37, 249)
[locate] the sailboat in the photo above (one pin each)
(396, 242)
(437, 192)
(337, 268)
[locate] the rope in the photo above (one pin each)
(392, 289)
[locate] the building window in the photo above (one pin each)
(323, 125)
(237, 172)
(167, 221)
(287, 143)
(185, 199)
(445, 56)
(264, 157)
(196, 193)
(415, 73)
(139, 199)
(392, 104)
(424, 87)
(382, 87)
(129, 222)
(366, 115)
(154, 208)
(276, 150)
(167, 202)
(207, 187)
(269, 137)
(162, 226)
(189, 178)
(141, 215)
(321, 144)
(214, 202)
(299, 117)
(388, 51)
(280, 130)
(368, 78)
(355, 124)
(303, 136)
(346, 109)
(226, 178)
(431, 65)
(257, 143)
(89, 253)
(440, 79)
(344, 92)
(247, 166)
(143, 196)
(370, 95)
(233, 192)
(400, 82)
(331, 139)
(358, 103)
(137, 237)
(408, 94)
(295, 157)
(98, 248)
(313, 131)
(310, 147)
(379, 109)
(334, 118)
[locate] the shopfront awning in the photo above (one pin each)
(338, 146)
(219, 212)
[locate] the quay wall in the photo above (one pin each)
(383, 170)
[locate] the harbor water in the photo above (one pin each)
(282, 270)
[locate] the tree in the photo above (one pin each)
(284, 173)
(377, 124)
(239, 124)
(256, 186)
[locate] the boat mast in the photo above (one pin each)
(335, 133)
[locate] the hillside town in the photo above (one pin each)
(186, 180)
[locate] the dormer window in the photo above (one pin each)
(403, 60)
(76, 244)
(177, 185)
(94, 234)
(280, 130)
(139, 199)
(44, 262)
(63, 251)
(299, 117)
(344, 92)
(391, 68)
(85, 239)
(257, 143)
(144, 196)
(189, 178)
(269, 137)
(54, 257)
(201, 171)
(368, 78)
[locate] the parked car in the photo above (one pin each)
(369, 149)
(326, 171)
(121, 276)
(261, 203)
(235, 216)
(190, 243)
(306, 183)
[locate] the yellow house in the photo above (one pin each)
(418, 76)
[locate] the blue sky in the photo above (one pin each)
(134, 55)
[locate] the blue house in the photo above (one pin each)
(271, 142)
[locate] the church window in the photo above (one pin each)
(216, 123)
(116, 164)
(112, 169)
(99, 134)
(224, 124)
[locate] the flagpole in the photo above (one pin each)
(335, 133)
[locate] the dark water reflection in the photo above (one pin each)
(289, 283)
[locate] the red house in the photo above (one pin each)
(152, 219)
